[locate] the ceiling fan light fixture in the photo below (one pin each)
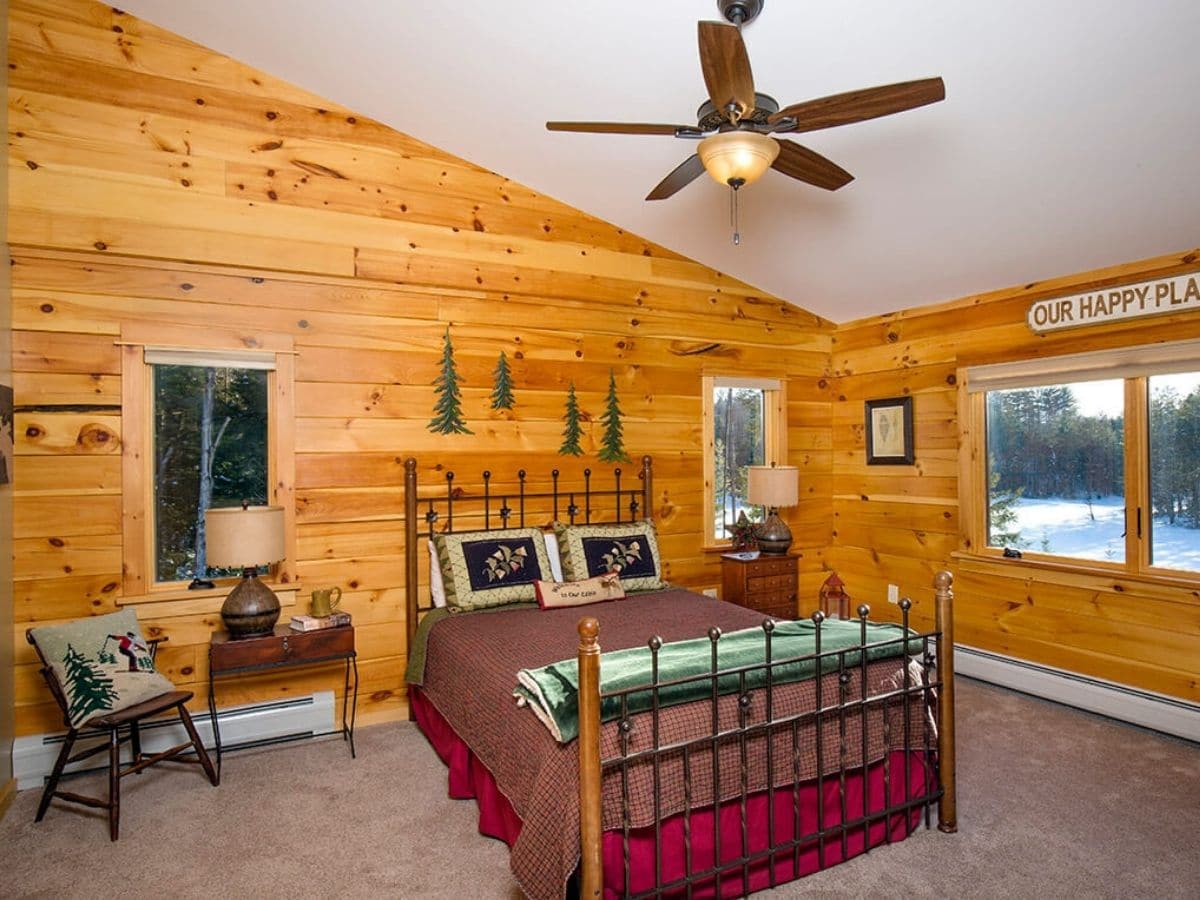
(737, 157)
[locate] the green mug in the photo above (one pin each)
(326, 601)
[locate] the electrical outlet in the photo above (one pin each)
(711, 592)
(893, 593)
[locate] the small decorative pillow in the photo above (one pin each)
(552, 552)
(631, 550)
(102, 663)
(553, 594)
(491, 568)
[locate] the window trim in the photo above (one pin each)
(1132, 364)
(774, 438)
(271, 351)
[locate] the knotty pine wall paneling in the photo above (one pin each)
(899, 524)
(156, 184)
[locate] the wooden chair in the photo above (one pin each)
(123, 727)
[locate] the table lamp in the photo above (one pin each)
(772, 487)
(246, 537)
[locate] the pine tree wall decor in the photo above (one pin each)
(574, 431)
(612, 444)
(447, 410)
(502, 393)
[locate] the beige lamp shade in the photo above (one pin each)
(242, 537)
(740, 157)
(773, 486)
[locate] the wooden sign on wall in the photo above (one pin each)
(1130, 301)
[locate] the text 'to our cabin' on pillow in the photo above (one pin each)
(630, 550)
(491, 568)
(556, 594)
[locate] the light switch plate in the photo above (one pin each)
(893, 593)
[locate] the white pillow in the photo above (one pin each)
(552, 552)
(437, 588)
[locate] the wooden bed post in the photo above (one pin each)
(410, 557)
(948, 804)
(589, 759)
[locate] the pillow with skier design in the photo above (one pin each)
(103, 664)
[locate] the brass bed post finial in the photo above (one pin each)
(589, 759)
(948, 804)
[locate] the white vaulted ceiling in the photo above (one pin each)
(1069, 138)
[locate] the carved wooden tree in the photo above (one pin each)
(447, 410)
(502, 393)
(612, 443)
(574, 431)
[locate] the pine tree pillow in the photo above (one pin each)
(491, 568)
(103, 664)
(630, 549)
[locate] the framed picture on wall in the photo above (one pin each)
(889, 429)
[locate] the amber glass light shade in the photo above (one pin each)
(737, 157)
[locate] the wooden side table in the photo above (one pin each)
(769, 584)
(282, 649)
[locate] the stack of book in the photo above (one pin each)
(316, 623)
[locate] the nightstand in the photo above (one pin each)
(768, 584)
(278, 650)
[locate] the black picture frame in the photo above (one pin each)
(889, 432)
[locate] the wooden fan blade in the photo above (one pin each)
(726, 67)
(619, 127)
(683, 175)
(858, 106)
(810, 167)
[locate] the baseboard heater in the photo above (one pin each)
(241, 726)
(1145, 708)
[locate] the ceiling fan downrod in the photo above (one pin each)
(739, 12)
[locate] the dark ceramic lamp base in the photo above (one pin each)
(773, 536)
(251, 609)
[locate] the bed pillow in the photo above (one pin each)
(490, 568)
(102, 664)
(555, 594)
(553, 554)
(631, 550)
(437, 588)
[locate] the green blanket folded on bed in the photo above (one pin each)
(552, 691)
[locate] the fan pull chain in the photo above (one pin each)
(733, 209)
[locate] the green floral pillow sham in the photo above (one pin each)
(631, 550)
(491, 568)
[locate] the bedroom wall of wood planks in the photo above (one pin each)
(900, 524)
(157, 184)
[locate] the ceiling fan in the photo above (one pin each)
(746, 122)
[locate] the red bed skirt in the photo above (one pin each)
(469, 778)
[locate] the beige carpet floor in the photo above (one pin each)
(1053, 803)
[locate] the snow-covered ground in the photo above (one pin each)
(1067, 528)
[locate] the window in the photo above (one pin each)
(744, 425)
(209, 450)
(204, 427)
(1092, 459)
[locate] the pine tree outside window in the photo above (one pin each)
(1090, 461)
(744, 424)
